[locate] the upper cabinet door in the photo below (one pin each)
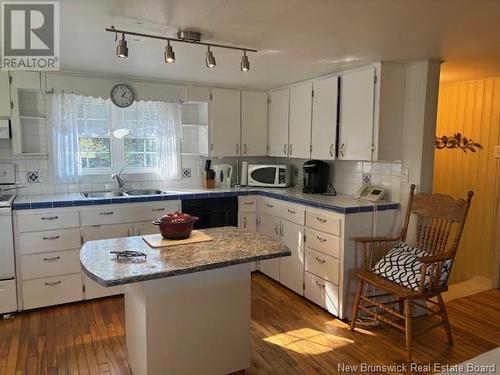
(253, 123)
(278, 123)
(357, 115)
(324, 119)
(224, 121)
(4, 94)
(300, 121)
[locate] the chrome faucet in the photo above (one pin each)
(118, 177)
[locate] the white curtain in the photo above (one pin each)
(160, 120)
(169, 137)
(65, 149)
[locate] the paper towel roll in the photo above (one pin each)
(244, 173)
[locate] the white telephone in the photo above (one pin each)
(370, 193)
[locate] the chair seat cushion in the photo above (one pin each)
(401, 265)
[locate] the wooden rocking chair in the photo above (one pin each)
(416, 272)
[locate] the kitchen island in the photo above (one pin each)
(187, 307)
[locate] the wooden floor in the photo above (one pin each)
(289, 336)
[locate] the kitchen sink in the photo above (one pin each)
(144, 192)
(103, 194)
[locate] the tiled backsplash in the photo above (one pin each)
(40, 164)
(346, 176)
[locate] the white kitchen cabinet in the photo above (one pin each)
(198, 94)
(278, 123)
(253, 123)
(324, 118)
(103, 232)
(248, 221)
(299, 136)
(372, 102)
(292, 267)
(28, 117)
(224, 122)
(4, 94)
(270, 227)
(356, 115)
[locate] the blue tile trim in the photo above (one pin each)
(62, 204)
(41, 205)
(168, 197)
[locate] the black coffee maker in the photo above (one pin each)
(315, 177)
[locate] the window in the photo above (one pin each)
(93, 136)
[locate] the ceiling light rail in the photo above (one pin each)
(122, 49)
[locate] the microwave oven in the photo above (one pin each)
(269, 175)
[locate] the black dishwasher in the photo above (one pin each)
(213, 212)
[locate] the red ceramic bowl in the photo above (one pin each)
(176, 226)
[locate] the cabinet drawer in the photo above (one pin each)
(293, 213)
(152, 211)
(105, 215)
(48, 221)
(50, 264)
(322, 293)
(52, 291)
(325, 222)
(322, 265)
(247, 203)
(326, 243)
(270, 206)
(8, 296)
(40, 242)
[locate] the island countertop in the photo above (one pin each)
(229, 246)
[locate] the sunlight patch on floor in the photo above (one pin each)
(308, 341)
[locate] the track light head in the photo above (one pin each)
(210, 59)
(121, 48)
(169, 54)
(245, 64)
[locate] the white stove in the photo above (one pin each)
(8, 294)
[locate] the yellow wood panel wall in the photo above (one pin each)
(473, 109)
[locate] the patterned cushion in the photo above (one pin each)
(401, 266)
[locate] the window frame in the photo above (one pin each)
(117, 149)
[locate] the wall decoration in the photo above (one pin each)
(457, 140)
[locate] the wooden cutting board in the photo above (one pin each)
(156, 240)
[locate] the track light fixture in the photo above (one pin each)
(210, 59)
(245, 64)
(121, 48)
(185, 36)
(169, 54)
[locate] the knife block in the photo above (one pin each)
(208, 184)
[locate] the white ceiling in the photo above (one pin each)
(296, 39)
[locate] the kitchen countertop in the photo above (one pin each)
(230, 246)
(341, 203)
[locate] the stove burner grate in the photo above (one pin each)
(127, 254)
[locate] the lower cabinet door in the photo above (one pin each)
(322, 293)
(8, 296)
(248, 221)
(52, 291)
(47, 264)
(270, 227)
(94, 290)
(292, 267)
(102, 232)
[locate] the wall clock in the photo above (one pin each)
(122, 95)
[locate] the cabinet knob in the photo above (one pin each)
(331, 150)
(50, 218)
(319, 284)
(50, 238)
(53, 283)
(276, 229)
(284, 149)
(320, 261)
(290, 149)
(244, 221)
(342, 149)
(53, 259)
(237, 148)
(211, 146)
(245, 148)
